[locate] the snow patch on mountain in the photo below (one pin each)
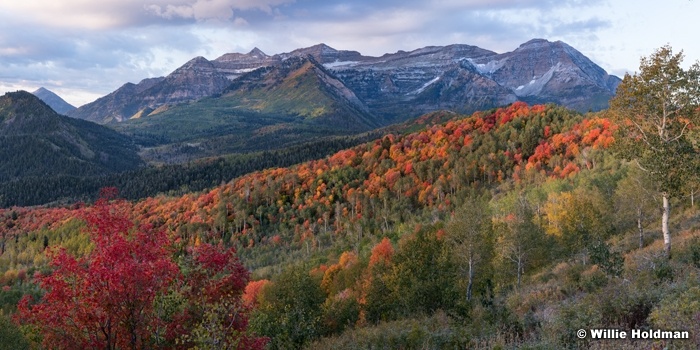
(233, 74)
(425, 86)
(536, 85)
(489, 67)
(340, 64)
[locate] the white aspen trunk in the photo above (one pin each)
(471, 279)
(692, 199)
(640, 228)
(520, 269)
(664, 224)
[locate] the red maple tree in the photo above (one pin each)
(104, 300)
(107, 299)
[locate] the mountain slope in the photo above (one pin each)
(301, 86)
(542, 71)
(391, 180)
(36, 141)
(196, 79)
(417, 169)
(118, 105)
(54, 101)
(269, 108)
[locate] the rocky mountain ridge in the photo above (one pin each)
(392, 87)
(541, 71)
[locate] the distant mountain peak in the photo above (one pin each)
(54, 101)
(257, 53)
(197, 61)
(535, 42)
(325, 48)
(539, 44)
(324, 54)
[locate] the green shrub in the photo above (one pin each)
(339, 313)
(610, 262)
(593, 279)
(572, 316)
(435, 332)
(679, 312)
(689, 252)
(11, 338)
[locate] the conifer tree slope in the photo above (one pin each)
(36, 141)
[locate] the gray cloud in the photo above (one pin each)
(379, 27)
(202, 10)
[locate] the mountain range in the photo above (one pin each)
(379, 90)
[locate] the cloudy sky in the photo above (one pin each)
(84, 49)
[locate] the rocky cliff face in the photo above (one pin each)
(542, 71)
(392, 87)
(236, 64)
(196, 79)
(118, 105)
(422, 80)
